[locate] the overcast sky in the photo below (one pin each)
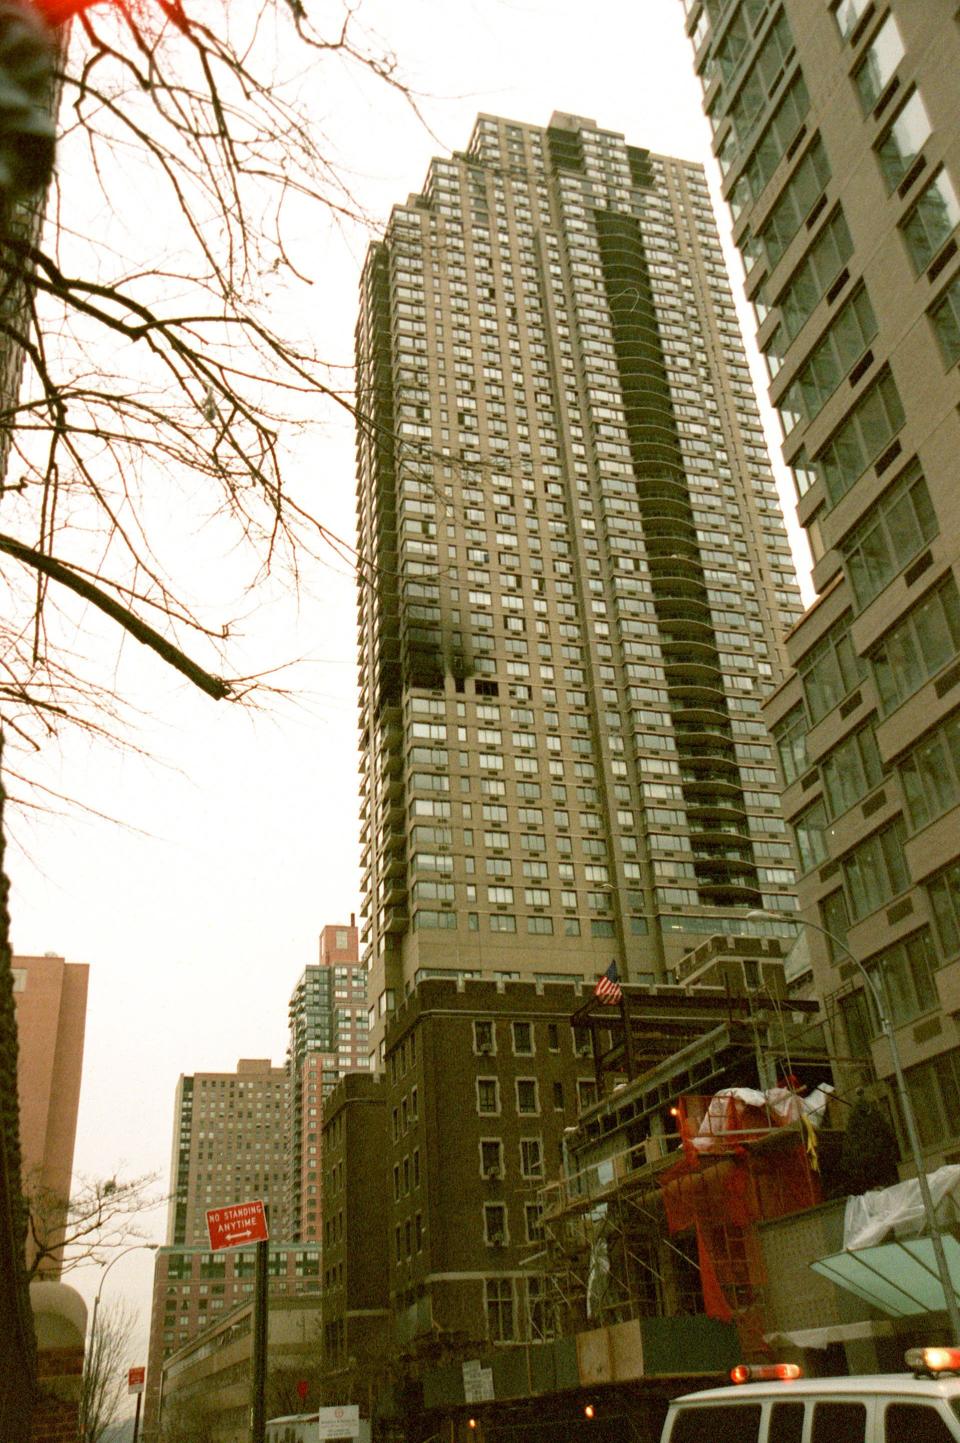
(197, 924)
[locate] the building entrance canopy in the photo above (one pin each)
(884, 1261)
(898, 1278)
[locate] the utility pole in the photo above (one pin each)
(259, 1388)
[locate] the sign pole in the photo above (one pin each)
(136, 1420)
(258, 1408)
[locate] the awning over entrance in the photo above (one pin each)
(900, 1278)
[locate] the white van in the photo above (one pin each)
(883, 1408)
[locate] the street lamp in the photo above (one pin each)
(878, 991)
(151, 1247)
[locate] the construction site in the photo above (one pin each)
(716, 1112)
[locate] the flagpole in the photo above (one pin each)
(627, 1037)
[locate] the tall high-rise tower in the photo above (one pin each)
(838, 131)
(576, 573)
(328, 1037)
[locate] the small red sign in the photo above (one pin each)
(303, 1388)
(135, 1379)
(237, 1226)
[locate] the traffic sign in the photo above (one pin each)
(237, 1226)
(135, 1379)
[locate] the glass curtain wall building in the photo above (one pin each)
(837, 128)
(575, 573)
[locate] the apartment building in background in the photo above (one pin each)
(50, 998)
(577, 575)
(837, 128)
(231, 1143)
(328, 1038)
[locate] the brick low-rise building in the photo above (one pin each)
(355, 1280)
(432, 1174)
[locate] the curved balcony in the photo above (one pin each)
(729, 893)
(711, 808)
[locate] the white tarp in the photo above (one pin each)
(781, 1106)
(897, 1212)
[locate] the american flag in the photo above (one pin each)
(608, 987)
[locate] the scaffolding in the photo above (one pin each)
(664, 1183)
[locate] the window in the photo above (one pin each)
(797, 199)
(876, 69)
(901, 144)
(842, 345)
(931, 773)
(932, 221)
(830, 671)
(945, 317)
(786, 1423)
(875, 871)
(918, 646)
(856, 1022)
(540, 926)
(533, 1219)
(944, 893)
(531, 1157)
(920, 1422)
(498, 1298)
(850, 770)
(896, 529)
(907, 970)
(501, 922)
(810, 831)
(847, 14)
(484, 1037)
(790, 735)
(725, 1423)
(774, 140)
(426, 920)
(872, 423)
(839, 1423)
(813, 277)
(833, 916)
(491, 1158)
(488, 1095)
(934, 1089)
(761, 80)
(527, 1095)
(523, 1039)
(495, 1225)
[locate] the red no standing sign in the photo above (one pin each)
(237, 1226)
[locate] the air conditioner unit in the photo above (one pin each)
(497, 1240)
(493, 1174)
(484, 1048)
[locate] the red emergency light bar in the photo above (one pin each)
(765, 1372)
(932, 1361)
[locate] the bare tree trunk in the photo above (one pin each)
(104, 1371)
(18, 1373)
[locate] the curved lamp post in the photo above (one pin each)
(878, 991)
(134, 1247)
